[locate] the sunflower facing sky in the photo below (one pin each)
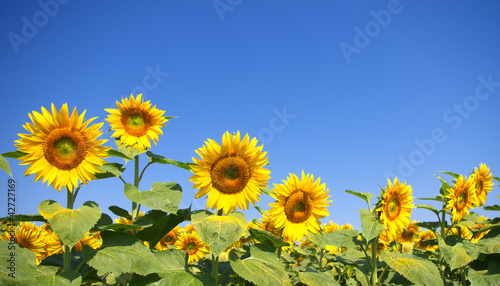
(193, 245)
(461, 198)
(62, 149)
(300, 203)
(232, 174)
(136, 122)
(482, 182)
(395, 206)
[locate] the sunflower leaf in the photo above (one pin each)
(370, 225)
(343, 238)
(427, 207)
(267, 238)
(413, 268)
(318, 278)
(13, 154)
(60, 279)
(439, 198)
(217, 231)
(121, 253)
(119, 154)
(492, 208)
(162, 196)
(458, 255)
(21, 218)
(153, 158)
(110, 170)
(365, 196)
(497, 179)
(4, 165)
(70, 224)
(261, 267)
(454, 175)
(429, 225)
(267, 191)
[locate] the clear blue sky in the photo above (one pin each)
(346, 91)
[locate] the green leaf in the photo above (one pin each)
(427, 207)
(267, 238)
(318, 239)
(429, 225)
(119, 154)
(25, 263)
(490, 243)
(103, 221)
(121, 253)
(261, 267)
(451, 174)
(14, 154)
(21, 218)
(162, 196)
(413, 268)
(439, 198)
(120, 212)
(261, 211)
(318, 278)
(70, 278)
(490, 277)
(458, 255)
(69, 224)
(494, 178)
(120, 227)
(110, 170)
(153, 158)
(162, 224)
(4, 165)
(219, 231)
(343, 238)
(128, 151)
(267, 191)
(370, 225)
(492, 208)
(365, 196)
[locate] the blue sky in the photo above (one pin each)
(353, 93)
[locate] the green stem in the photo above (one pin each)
(215, 267)
(66, 249)
(442, 268)
(142, 173)
(279, 248)
(383, 273)
(80, 266)
(374, 261)
(321, 254)
(222, 275)
(135, 209)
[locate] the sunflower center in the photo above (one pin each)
(230, 174)
(479, 186)
(298, 207)
(408, 235)
(393, 208)
(461, 200)
(65, 149)
(136, 123)
(191, 248)
(168, 239)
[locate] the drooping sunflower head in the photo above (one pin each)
(92, 239)
(169, 239)
(62, 149)
(300, 203)
(461, 198)
(482, 182)
(193, 245)
(395, 206)
(232, 174)
(136, 122)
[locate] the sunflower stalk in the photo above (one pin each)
(66, 249)
(135, 206)
(374, 261)
(215, 268)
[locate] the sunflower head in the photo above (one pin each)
(461, 198)
(169, 239)
(29, 236)
(136, 122)
(300, 203)
(395, 206)
(62, 149)
(193, 245)
(409, 233)
(482, 182)
(232, 174)
(423, 238)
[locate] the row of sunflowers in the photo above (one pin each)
(288, 245)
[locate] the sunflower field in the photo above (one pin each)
(68, 244)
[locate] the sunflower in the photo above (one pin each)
(482, 181)
(29, 236)
(136, 122)
(330, 227)
(232, 174)
(193, 245)
(461, 197)
(299, 206)
(422, 237)
(396, 205)
(169, 239)
(268, 225)
(127, 221)
(92, 239)
(409, 233)
(62, 149)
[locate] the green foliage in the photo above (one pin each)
(69, 278)
(162, 225)
(4, 165)
(413, 268)
(70, 225)
(267, 238)
(459, 254)
(365, 196)
(162, 196)
(262, 267)
(318, 278)
(370, 225)
(427, 207)
(110, 170)
(162, 160)
(219, 231)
